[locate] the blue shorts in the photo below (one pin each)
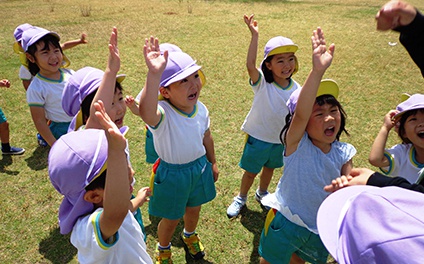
(281, 238)
(177, 186)
(149, 148)
(59, 129)
(258, 154)
(2, 117)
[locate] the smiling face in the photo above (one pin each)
(413, 128)
(184, 94)
(119, 108)
(49, 59)
(282, 66)
(324, 125)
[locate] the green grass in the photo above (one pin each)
(371, 75)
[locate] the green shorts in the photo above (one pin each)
(149, 148)
(2, 117)
(258, 154)
(59, 129)
(281, 238)
(177, 186)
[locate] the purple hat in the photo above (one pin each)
(18, 36)
(278, 45)
(327, 86)
(179, 66)
(75, 160)
(415, 101)
(169, 47)
(367, 224)
(82, 83)
(33, 34)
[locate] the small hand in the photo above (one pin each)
(83, 39)
(129, 101)
(321, 56)
(5, 83)
(215, 172)
(251, 23)
(144, 194)
(394, 14)
(114, 61)
(154, 60)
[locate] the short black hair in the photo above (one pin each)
(98, 183)
(47, 40)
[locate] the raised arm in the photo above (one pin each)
(117, 186)
(321, 60)
(156, 64)
(377, 157)
(253, 48)
(72, 43)
(106, 91)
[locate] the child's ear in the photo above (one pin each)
(94, 196)
(30, 57)
(267, 65)
(164, 92)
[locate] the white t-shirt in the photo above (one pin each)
(127, 246)
(47, 93)
(178, 138)
(24, 73)
(402, 162)
(267, 116)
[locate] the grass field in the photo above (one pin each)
(371, 74)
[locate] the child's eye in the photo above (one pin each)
(196, 76)
(184, 80)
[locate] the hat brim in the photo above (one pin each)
(332, 210)
(183, 74)
(328, 86)
(283, 49)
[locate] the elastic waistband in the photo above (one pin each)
(201, 160)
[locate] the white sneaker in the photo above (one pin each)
(259, 197)
(235, 207)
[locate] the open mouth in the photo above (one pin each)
(329, 131)
(192, 96)
(119, 122)
(421, 134)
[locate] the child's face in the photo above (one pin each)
(49, 59)
(118, 109)
(184, 94)
(282, 65)
(414, 129)
(324, 124)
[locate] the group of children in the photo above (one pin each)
(81, 116)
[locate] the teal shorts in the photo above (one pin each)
(149, 148)
(258, 154)
(281, 238)
(2, 117)
(59, 129)
(177, 186)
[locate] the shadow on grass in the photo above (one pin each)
(4, 162)
(253, 221)
(57, 247)
(152, 229)
(38, 159)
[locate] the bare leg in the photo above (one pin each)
(295, 259)
(4, 132)
(166, 229)
(265, 178)
(191, 217)
(246, 182)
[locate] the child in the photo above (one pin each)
(407, 158)
(44, 95)
(132, 104)
(183, 140)
(6, 149)
(272, 84)
(24, 73)
(89, 167)
(313, 157)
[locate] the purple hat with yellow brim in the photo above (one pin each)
(82, 83)
(179, 66)
(277, 45)
(34, 34)
(414, 102)
(75, 160)
(327, 86)
(367, 224)
(17, 47)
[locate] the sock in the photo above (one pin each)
(164, 248)
(242, 197)
(187, 234)
(5, 147)
(260, 192)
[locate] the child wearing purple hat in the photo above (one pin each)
(407, 158)
(44, 95)
(186, 170)
(313, 156)
(90, 169)
(272, 84)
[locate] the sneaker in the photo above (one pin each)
(259, 197)
(163, 256)
(235, 207)
(41, 141)
(193, 246)
(13, 151)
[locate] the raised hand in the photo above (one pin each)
(5, 83)
(321, 56)
(115, 138)
(114, 61)
(154, 60)
(394, 14)
(251, 23)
